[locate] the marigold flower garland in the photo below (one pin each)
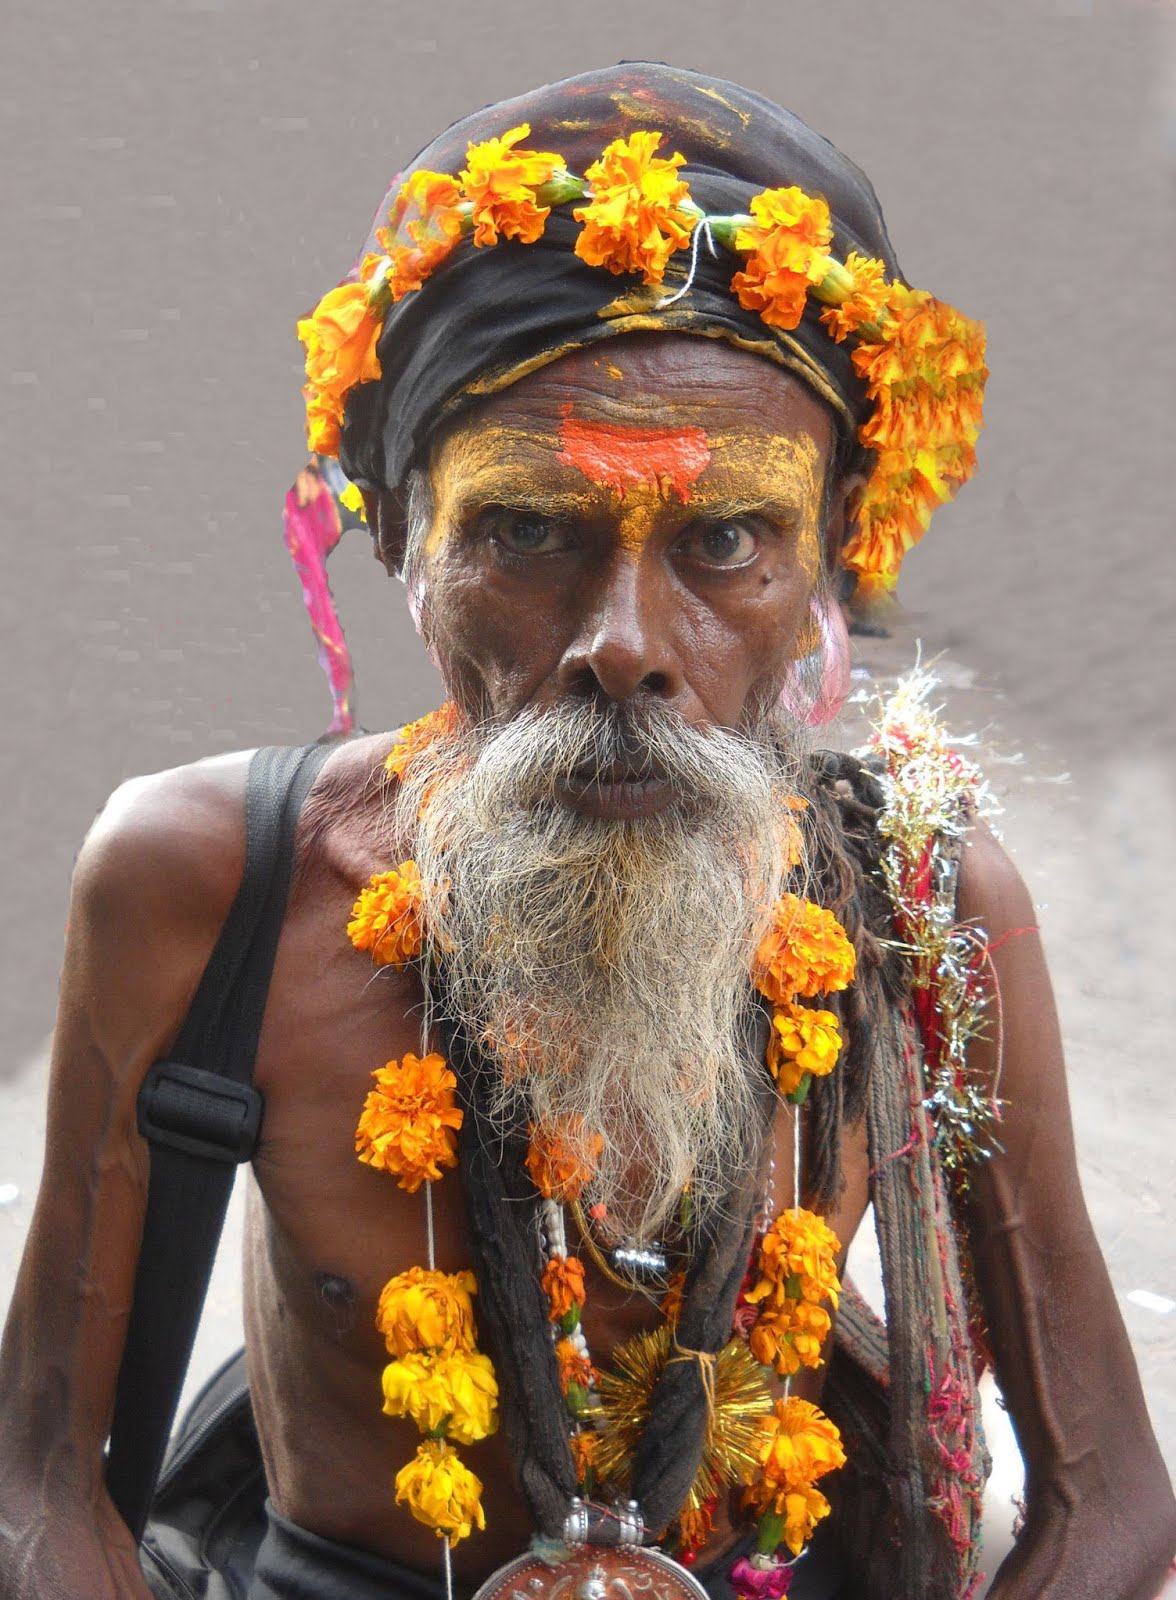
(921, 361)
(408, 1128)
(438, 1378)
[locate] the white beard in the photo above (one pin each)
(605, 964)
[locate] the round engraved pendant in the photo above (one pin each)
(593, 1573)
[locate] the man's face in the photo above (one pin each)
(640, 520)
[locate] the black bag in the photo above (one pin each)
(201, 1519)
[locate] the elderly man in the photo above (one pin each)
(625, 375)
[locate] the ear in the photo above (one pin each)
(384, 510)
(845, 500)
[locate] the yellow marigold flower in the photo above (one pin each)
(426, 1310)
(562, 1160)
(563, 1284)
(798, 1259)
(789, 244)
(573, 1366)
(866, 301)
(584, 1452)
(441, 1491)
(408, 1126)
(454, 1390)
(802, 1510)
(419, 735)
(324, 418)
(790, 1334)
(634, 221)
(797, 1445)
(805, 952)
(802, 1041)
(386, 918)
(500, 183)
(424, 226)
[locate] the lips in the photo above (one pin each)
(617, 772)
(616, 790)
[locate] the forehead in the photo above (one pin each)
(659, 411)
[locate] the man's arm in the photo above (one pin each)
(1101, 1520)
(153, 883)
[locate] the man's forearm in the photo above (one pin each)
(1084, 1550)
(67, 1551)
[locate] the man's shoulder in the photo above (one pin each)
(179, 834)
(168, 848)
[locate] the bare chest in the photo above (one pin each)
(327, 1232)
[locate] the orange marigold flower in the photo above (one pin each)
(419, 735)
(324, 419)
(805, 952)
(789, 244)
(574, 1367)
(340, 338)
(797, 1445)
(563, 1284)
(562, 1160)
(426, 1310)
(790, 1334)
(408, 1126)
(634, 221)
(802, 1041)
(798, 1259)
(424, 226)
(584, 1446)
(386, 918)
(500, 183)
(866, 301)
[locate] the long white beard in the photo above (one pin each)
(605, 964)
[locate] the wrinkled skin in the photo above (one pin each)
(628, 597)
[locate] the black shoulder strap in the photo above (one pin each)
(202, 1116)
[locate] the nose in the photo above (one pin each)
(624, 646)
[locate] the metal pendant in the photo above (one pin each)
(593, 1573)
(641, 1263)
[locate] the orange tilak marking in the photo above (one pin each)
(621, 458)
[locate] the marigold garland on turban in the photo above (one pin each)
(922, 362)
(789, 255)
(635, 219)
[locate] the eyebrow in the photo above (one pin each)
(493, 489)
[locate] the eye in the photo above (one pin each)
(721, 544)
(524, 533)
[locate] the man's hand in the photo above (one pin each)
(153, 884)
(1101, 1519)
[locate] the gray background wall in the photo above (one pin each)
(182, 180)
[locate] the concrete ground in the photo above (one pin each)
(1072, 840)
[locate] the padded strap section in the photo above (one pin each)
(200, 1126)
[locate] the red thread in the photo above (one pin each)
(1012, 933)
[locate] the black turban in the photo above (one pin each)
(486, 316)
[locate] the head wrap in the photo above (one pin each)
(486, 317)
